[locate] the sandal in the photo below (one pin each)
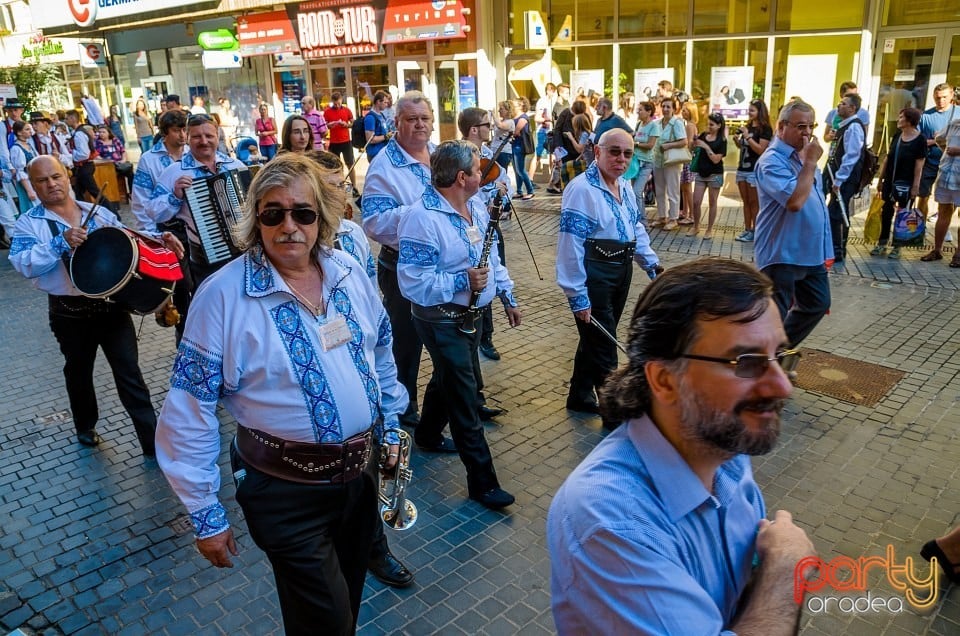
(932, 255)
(685, 221)
(955, 262)
(932, 549)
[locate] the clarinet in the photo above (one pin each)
(468, 326)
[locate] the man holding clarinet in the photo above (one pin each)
(442, 271)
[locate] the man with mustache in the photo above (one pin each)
(167, 206)
(657, 531)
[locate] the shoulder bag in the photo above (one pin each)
(674, 156)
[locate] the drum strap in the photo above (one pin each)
(55, 230)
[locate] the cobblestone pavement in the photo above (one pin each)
(93, 541)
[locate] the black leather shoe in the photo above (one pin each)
(583, 407)
(495, 498)
(489, 351)
(89, 438)
(390, 571)
(446, 445)
(487, 413)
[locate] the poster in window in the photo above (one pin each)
(731, 88)
(645, 81)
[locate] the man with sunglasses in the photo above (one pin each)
(793, 237)
(662, 528)
(293, 340)
(167, 206)
(601, 235)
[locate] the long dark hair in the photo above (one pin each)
(665, 323)
(288, 127)
(763, 115)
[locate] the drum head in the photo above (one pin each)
(104, 262)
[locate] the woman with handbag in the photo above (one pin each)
(523, 145)
(753, 139)
(266, 133)
(948, 190)
(648, 132)
(669, 155)
(712, 148)
(900, 173)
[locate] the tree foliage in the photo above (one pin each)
(31, 80)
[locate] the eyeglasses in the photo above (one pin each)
(616, 152)
(485, 124)
(802, 126)
(272, 217)
(754, 365)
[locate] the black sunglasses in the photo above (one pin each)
(272, 217)
(616, 152)
(754, 365)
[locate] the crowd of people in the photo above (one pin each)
(313, 344)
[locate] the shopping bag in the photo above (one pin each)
(909, 228)
(871, 227)
(571, 169)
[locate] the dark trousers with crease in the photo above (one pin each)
(802, 295)
(407, 346)
(317, 538)
(452, 395)
(79, 338)
(607, 287)
(83, 181)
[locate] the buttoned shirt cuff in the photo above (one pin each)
(209, 521)
(579, 303)
(461, 282)
(506, 297)
(652, 271)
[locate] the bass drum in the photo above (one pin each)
(110, 265)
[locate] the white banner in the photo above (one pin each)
(92, 55)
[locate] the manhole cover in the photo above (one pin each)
(846, 379)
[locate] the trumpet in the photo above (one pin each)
(396, 510)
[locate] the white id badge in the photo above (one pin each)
(473, 234)
(334, 333)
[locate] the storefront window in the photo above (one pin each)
(802, 15)
(456, 90)
(410, 50)
(731, 16)
(647, 57)
(367, 80)
(642, 18)
(518, 9)
(594, 71)
(904, 12)
(594, 20)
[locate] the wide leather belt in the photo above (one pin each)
(609, 251)
(447, 312)
(302, 462)
(78, 306)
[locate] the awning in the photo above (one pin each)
(412, 20)
(266, 34)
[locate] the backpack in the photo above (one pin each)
(358, 134)
(869, 162)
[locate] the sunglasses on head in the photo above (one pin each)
(272, 217)
(754, 365)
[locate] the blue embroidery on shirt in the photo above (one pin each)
(416, 253)
(506, 297)
(593, 177)
(577, 224)
(197, 372)
(209, 521)
(313, 382)
(21, 244)
(579, 303)
(385, 332)
(142, 179)
(258, 273)
(165, 160)
(374, 205)
(342, 302)
(460, 282)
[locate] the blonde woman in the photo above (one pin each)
(688, 111)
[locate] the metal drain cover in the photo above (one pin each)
(846, 379)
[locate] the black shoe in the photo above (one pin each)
(487, 413)
(390, 571)
(446, 445)
(89, 438)
(553, 191)
(495, 498)
(583, 407)
(489, 351)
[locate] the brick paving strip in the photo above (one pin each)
(93, 541)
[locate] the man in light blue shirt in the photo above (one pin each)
(793, 238)
(661, 529)
(844, 169)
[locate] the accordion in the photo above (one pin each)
(216, 205)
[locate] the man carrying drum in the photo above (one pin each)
(43, 241)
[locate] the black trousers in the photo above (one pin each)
(802, 295)
(83, 181)
(452, 396)
(407, 346)
(344, 150)
(79, 337)
(317, 538)
(378, 545)
(607, 287)
(839, 229)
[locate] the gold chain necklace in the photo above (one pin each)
(316, 310)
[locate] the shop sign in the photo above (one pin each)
(219, 40)
(266, 34)
(92, 55)
(39, 47)
(330, 29)
(83, 13)
(413, 20)
(222, 59)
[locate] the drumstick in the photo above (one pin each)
(96, 204)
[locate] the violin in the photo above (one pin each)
(489, 168)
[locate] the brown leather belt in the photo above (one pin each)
(302, 462)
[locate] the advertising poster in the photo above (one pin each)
(585, 80)
(731, 88)
(645, 81)
(468, 91)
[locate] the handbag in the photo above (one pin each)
(571, 169)
(633, 169)
(872, 225)
(673, 156)
(909, 227)
(695, 161)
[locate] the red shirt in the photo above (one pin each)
(338, 134)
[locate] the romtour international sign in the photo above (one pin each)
(328, 28)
